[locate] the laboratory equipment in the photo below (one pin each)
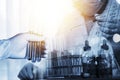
(35, 50)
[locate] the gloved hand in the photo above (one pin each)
(29, 72)
(18, 44)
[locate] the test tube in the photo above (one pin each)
(35, 50)
(27, 51)
(32, 50)
(39, 51)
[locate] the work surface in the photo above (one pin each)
(83, 79)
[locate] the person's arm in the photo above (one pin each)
(15, 47)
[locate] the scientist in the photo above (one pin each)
(106, 22)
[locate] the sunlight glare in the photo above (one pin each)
(47, 15)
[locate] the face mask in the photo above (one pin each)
(118, 1)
